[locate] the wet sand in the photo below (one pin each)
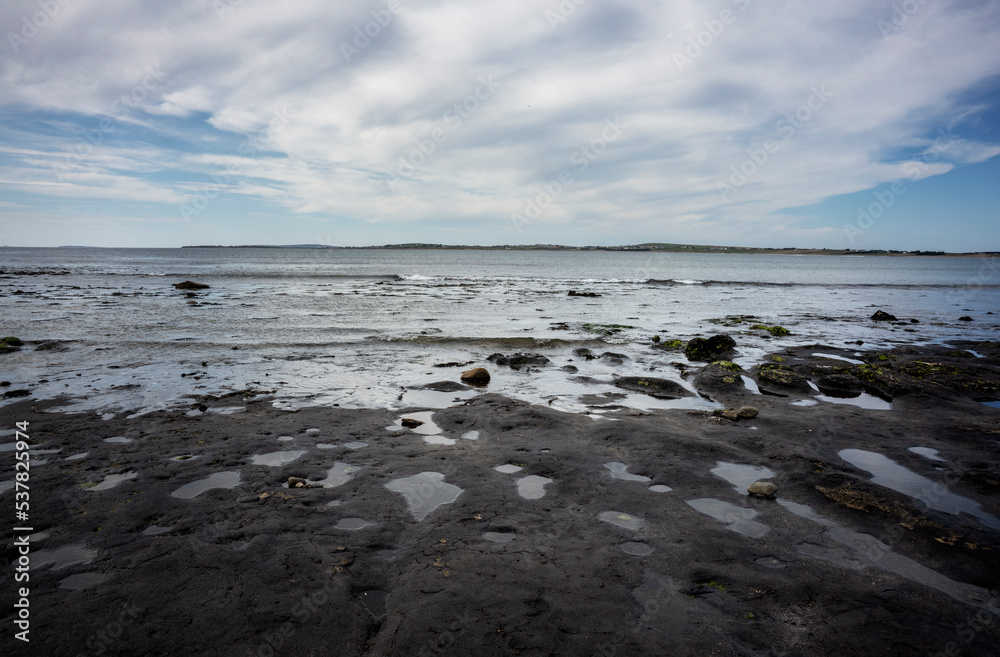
(629, 534)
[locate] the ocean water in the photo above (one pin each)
(363, 328)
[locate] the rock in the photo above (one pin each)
(192, 303)
(720, 377)
(656, 338)
(762, 489)
(613, 358)
(16, 393)
(190, 285)
(729, 414)
(12, 341)
(716, 347)
(16, 292)
(446, 386)
(296, 482)
(574, 293)
(782, 377)
(965, 318)
(410, 423)
(583, 352)
(840, 385)
(519, 360)
(477, 375)
(747, 412)
(882, 316)
(654, 387)
(4, 384)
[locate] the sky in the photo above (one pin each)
(849, 124)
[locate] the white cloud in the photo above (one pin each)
(348, 124)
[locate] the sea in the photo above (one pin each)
(370, 327)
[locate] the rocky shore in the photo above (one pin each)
(496, 527)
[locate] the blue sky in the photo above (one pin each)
(856, 124)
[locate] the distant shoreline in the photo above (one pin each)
(642, 248)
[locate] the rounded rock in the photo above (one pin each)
(476, 375)
(747, 412)
(762, 489)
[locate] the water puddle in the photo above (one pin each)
(927, 453)
(864, 550)
(750, 384)
(852, 361)
(325, 446)
(426, 428)
(81, 581)
(439, 440)
(7, 447)
(470, 435)
(890, 474)
(154, 530)
(286, 439)
(620, 471)
(312, 430)
(740, 476)
(335, 502)
(118, 439)
(77, 457)
(660, 488)
(355, 444)
(864, 400)
(338, 475)
(736, 518)
(498, 537)
(623, 520)
(991, 404)
(6, 485)
(189, 491)
(636, 548)
(509, 468)
(424, 492)
(69, 555)
(805, 402)
(532, 487)
(113, 480)
(975, 353)
(352, 524)
(276, 459)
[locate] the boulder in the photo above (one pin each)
(583, 352)
(840, 385)
(654, 387)
(762, 489)
(574, 293)
(747, 412)
(965, 318)
(720, 377)
(477, 375)
(296, 482)
(190, 285)
(782, 377)
(716, 347)
(882, 316)
(410, 423)
(519, 360)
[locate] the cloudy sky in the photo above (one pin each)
(848, 124)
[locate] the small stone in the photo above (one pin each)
(476, 375)
(882, 316)
(747, 412)
(296, 482)
(410, 423)
(965, 318)
(190, 285)
(762, 489)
